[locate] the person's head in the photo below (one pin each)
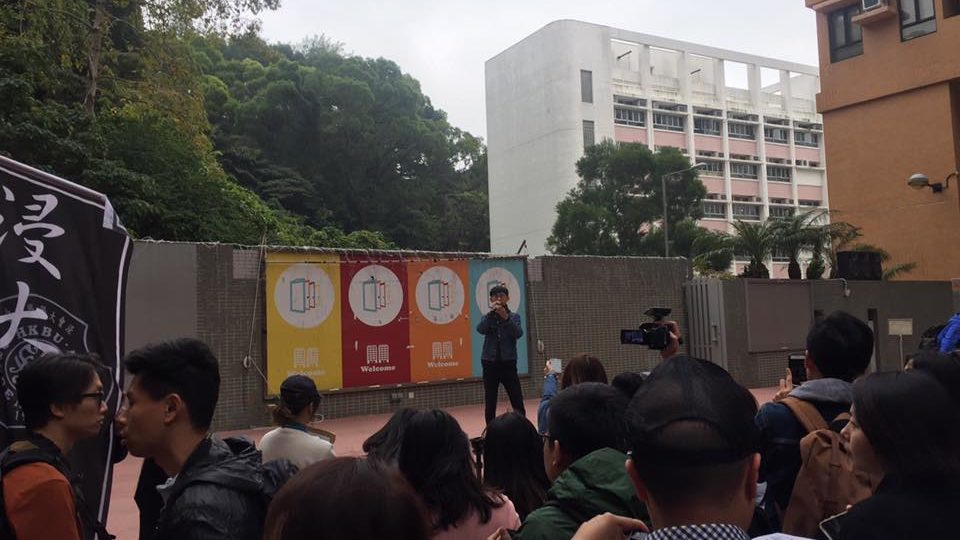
(627, 382)
(299, 401)
(500, 294)
(693, 444)
(583, 368)
(346, 498)
(583, 418)
(839, 346)
(943, 367)
(435, 458)
(173, 394)
(513, 461)
(904, 423)
(384, 445)
(63, 390)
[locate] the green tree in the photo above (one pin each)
(618, 199)
(756, 241)
(796, 234)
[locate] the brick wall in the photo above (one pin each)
(576, 304)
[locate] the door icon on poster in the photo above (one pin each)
(303, 295)
(438, 295)
(374, 295)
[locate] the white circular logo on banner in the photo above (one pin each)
(440, 294)
(490, 279)
(304, 295)
(376, 295)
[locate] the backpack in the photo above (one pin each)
(24, 453)
(827, 482)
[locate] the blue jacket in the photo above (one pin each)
(550, 389)
(500, 334)
(949, 338)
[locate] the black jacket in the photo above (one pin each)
(919, 508)
(217, 496)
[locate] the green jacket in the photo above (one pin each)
(592, 485)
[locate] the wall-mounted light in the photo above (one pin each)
(920, 181)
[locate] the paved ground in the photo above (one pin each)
(351, 432)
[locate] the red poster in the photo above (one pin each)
(376, 324)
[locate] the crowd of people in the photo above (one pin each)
(683, 452)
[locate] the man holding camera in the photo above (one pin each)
(501, 329)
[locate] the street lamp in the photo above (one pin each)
(663, 189)
(920, 181)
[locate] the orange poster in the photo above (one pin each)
(439, 320)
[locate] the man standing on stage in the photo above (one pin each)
(501, 330)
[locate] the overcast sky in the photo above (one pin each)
(444, 43)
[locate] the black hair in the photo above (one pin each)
(513, 461)
(583, 368)
(587, 417)
(384, 445)
(499, 289)
(435, 458)
(945, 368)
(840, 345)
(911, 422)
(673, 484)
(347, 498)
(186, 367)
(628, 382)
(53, 379)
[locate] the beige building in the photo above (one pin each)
(890, 100)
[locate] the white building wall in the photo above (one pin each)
(535, 118)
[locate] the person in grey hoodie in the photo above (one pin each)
(839, 348)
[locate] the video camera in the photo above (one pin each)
(655, 335)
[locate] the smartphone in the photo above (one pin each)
(832, 526)
(797, 369)
(556, 365)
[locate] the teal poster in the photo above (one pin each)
(485, 275)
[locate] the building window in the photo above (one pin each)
(781, 212)
(588, 137)
(671, 122)
(778, 174)
(743, 170)
(951, 8)
(775, 135)
(628, 117)
(741, 131)
(707, 126)
(711, 168)
(714, 210)
(746, 211)
(802, 202)
(586, 86)
(806, 138)
(917, 18)
(846, 39)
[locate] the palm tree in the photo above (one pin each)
(795, 234)
(757, 241)
(712, 252)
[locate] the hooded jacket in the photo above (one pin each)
(592, 485)
(949, 338)
(780, 434)
(217, 496)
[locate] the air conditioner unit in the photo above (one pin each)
(873, 4)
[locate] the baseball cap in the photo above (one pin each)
(690, 412)
(299, 390)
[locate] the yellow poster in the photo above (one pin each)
(303, 319)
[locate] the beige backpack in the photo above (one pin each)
(827, 482)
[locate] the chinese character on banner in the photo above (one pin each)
(63, 265)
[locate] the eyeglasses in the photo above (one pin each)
(97, 395)
(546, 437)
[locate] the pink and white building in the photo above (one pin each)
(750, 120)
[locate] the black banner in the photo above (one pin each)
(63, 265)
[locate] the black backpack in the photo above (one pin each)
(24, 453)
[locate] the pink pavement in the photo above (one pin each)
(124, 520)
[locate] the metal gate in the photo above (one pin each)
(707, 332)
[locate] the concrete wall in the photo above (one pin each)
(215, 293)
(925, 303)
